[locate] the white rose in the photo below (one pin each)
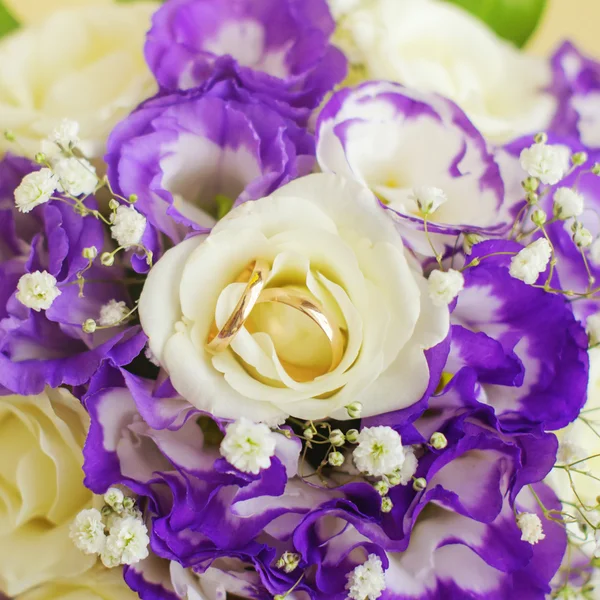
(435, 46)
(41, 486)
(98, 583)
(85, 64)
(326, 238)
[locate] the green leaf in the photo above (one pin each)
(7, 21)
(514, 20)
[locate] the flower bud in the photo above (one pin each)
(9, 136)
(419, 484)
(539, 217)
(107, 259)
(386, 504)
(352, 435)
(308, 433)
(90, 253)
(40, 158)
(382, 488)
(113, 204)
(89, 326)
(354, 410)
(337, 438)
(288, 562)
(596, 169)
(128, 502)
(132, 198)
(106, 510)
(470, 240)
(531, 184)
(541, 138)
(579, 158)
(335, 459)
(582, 238)
(532, 197)
(438, 440)
(393, 479)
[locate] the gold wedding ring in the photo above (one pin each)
(255, 275)
(219, 340)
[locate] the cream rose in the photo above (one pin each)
(85, 64)
(324, 238)
(435, 46)
(41, 486)
(28, 11)
(98, 583)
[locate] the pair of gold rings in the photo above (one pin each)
(255, 276)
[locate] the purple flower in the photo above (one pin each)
(49, 347)
(278, 49)
(186, 155)
(420, 154)
(576, 85)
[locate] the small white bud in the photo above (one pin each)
(531, 528)
(288, 562)
(36, 188)
(352, 436)
(438, 440)
(337, 438)
(579, 158)
(114, 498)
(89, 326)
(444, 286)
(37, 290)
(382, 488)
(66, 134)
(428, 199)
(107, 259)
(335, 459)
(308, 433)
(419, 484)
(354, 410)
(113, 204)
(583, 238)
(386, 504)
(539, 217)
(470, 239)
(90, 253)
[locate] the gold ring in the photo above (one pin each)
(219, 340)
(317, 313)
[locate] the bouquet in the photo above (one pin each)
(305, 309)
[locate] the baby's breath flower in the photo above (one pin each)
(531, 528)
(127, 542)
(567, 203)
(367, 581)
(409, 466)
(112, 312)
(428, 199)
(354, 410)
(531, 261)
(128, 226)
(444, 286)
(379, 451)
(248, 446)
(65, 134)
(35, 189)
(582, 237)
(470, 240)
(87, 531)
(37, 290)
(114, 498)
(546, 162)
(90, 252)
(438, 440)
(419, 484)
(89, 326)
(337, 438)
(386, 504)
(76, 176)
(335, 459)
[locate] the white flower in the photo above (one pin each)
(546, 162)
(531, 261)
(531, 528)
(582, 237)
(428, 199)
(329, 237)
(128, 226)
(114, 498)
(66, 134)
(248, 446)
(61, 64)
(37, 290)
(567, 203)
(379, 451)
(444, 286)
(127, 542)
(41, 441)
(76, 176)
(409, 465)
(112, 312)
(367, 581)
(569, 452)
(87, 531)
(428, 45)
(35, 189)
(593, 328)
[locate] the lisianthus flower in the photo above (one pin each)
(41, 438)
(189, 156)
(576, 85)
(278, 49)
(435, 46)
(41, 312)
(422, 157)
(329, 240)
(84, 63)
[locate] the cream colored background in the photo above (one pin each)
(578, 20)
